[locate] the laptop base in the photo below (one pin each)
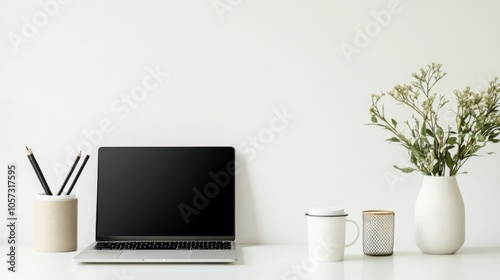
(91, 255)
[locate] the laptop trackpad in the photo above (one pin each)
(156, 254)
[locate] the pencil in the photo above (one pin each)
(78, 174)
(70, 172)
(38, 171)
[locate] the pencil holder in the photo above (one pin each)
(56, 223)
(378, 232)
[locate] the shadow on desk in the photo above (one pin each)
(478, 250)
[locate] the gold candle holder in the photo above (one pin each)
(378, 232)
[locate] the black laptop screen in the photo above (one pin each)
(165, 192)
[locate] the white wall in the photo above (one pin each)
(230, 74)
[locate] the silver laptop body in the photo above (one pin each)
(164, 205)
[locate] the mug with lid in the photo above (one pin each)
(326, 228)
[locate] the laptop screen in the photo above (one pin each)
(155, 193)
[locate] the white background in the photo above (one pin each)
(232, 71)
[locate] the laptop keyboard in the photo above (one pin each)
(163, 245)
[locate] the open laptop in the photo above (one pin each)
(164, 204)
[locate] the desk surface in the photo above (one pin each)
(270, 262)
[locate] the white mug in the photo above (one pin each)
(326, 229)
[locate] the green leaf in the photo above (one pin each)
(440, 132)
(448, 159)
(374, 119)
(435, 169)
(423, 140)
(413, 133)
(451, 141)
(429, 132)
(394, 122)
(393, 139)
(492, 136)
(413, 159)
(416, 153)
(423, 131)
(405, 169)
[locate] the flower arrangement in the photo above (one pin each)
(435, 150)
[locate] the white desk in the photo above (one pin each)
(271, 262)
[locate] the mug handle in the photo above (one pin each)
(357, 233)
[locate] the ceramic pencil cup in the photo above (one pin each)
(56, 223)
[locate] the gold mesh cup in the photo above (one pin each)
(378, 232)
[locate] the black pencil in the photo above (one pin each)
(70, 172)
(38, 171)
(78, 174)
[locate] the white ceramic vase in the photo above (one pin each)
(439, 216)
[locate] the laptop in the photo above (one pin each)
(164, 205)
